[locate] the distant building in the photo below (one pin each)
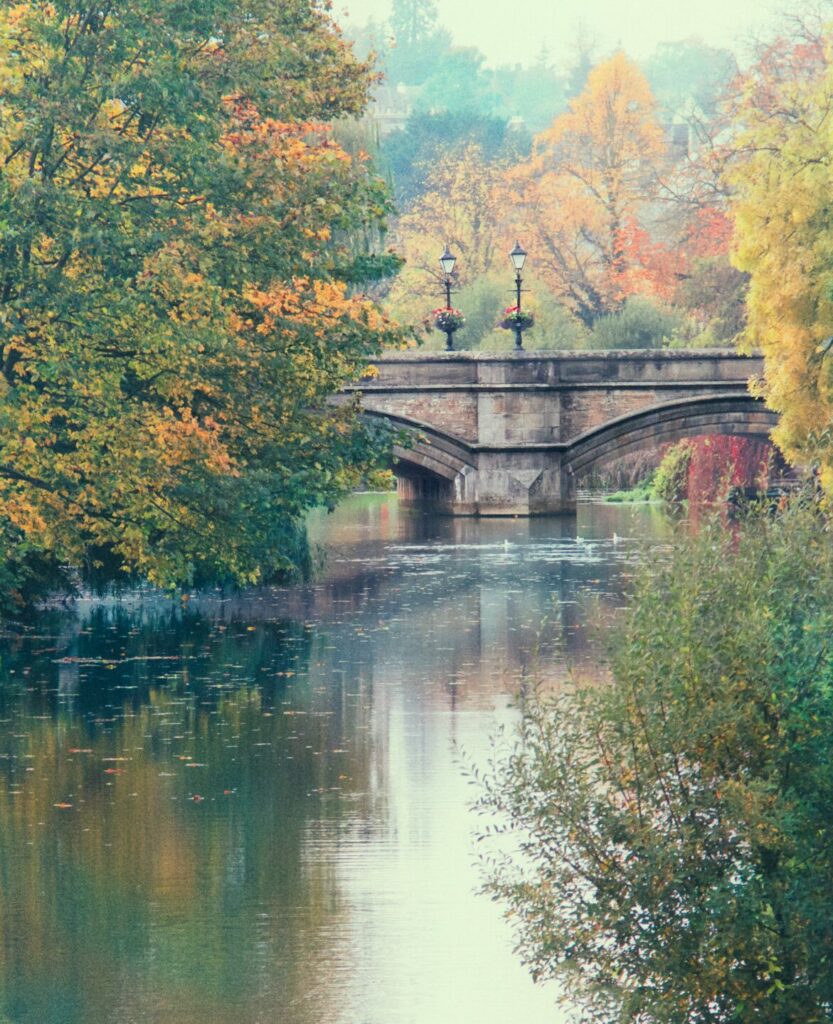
(687, 130)
(392, 106)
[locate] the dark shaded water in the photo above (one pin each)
(252, 809)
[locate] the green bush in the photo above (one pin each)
(481, 303)
(671, 478)
(27, 574)
(674, 827)
(640, 324)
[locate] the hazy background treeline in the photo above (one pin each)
(611, 172)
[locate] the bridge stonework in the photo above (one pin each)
(512, 434)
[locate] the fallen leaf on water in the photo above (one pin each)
(62, 807)
(80, 750)
(197, 798)
(114, 771)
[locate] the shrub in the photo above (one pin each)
(640, 324)
(674, 826)
(671, 478)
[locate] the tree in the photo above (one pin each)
(462, 206)
(419, 42)
(584, 46)
(784, 233)
(413, 21)
(714, 293)
(689, 71)
(584, 188)
(458, 82)
(174, 226)
(674, 825)
(532, 95)
(429, 139)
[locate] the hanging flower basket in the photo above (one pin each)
(516, 320)
(448, 319)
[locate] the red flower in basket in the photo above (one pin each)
(448, 319)
(515, 319)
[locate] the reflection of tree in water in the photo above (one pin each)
(175, 881)
(279, 709)
(115, 655)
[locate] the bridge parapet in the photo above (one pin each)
(518, 416)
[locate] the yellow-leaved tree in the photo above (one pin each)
(783, 217)
(461, 207)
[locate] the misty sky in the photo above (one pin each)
(512, 32)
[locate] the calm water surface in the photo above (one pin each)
(251, 808)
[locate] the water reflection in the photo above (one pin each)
(248, 807)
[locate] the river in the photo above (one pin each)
(254, 808)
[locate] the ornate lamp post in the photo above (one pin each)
(446, 320)
(518, 257)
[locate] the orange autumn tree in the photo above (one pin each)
(583, 193)
(176, 285)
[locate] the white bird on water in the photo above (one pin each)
(616, 537)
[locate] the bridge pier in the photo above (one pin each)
(501, 483)
(523, 483)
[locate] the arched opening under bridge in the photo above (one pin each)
(439, 471)
(653, 430)
(432, 468)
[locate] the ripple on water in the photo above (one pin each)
(253, 808)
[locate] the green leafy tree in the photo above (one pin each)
(536, 94)
(175, 226)
(674, 825)
(420, 44)
(640, 323)
(413, 21)
(458, 82)
(428, 139)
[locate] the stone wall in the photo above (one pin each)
(544, 398)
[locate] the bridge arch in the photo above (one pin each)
(433, 468)
(737, 413)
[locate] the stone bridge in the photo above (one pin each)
(513, 434)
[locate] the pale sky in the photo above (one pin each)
(513, 32)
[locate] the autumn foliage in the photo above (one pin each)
(607, 208)
(783, 240)
(175, 221)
